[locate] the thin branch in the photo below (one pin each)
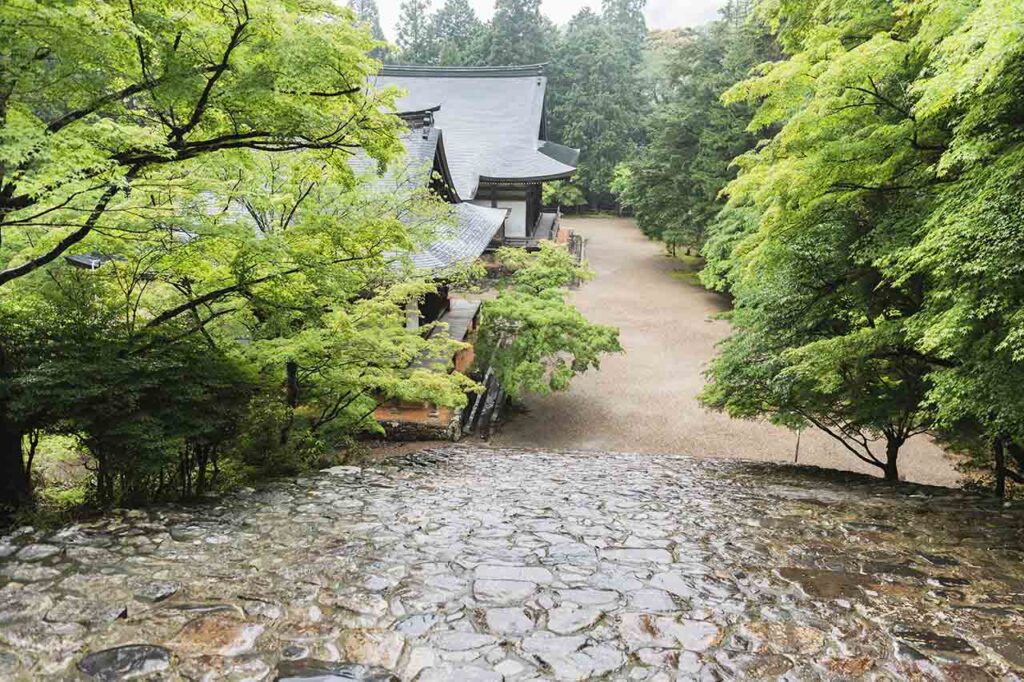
(71, 239)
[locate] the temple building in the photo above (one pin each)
(494, 125)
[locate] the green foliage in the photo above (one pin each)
(872, 242)
(414, 36)
(676, 179)
(563, 193)
(249, 308)
(368, 14)
(457, 33)
(518, 34)
(533, 338)
(597, 98)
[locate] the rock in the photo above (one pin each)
(419, 659)
(509, 668)
(927, 640)
(787, 638)
(620, 582)
(569, 658)
(220, 634)
(375, 648)
(524, 574)
(640, 630)
(30, 573)
(86, 611)
(461, 673)
(37, 552)
(652, 601)
(760, 666)
(417, 626)
(589, 597)
(462, 641)
(503, 591)
(321, 671)
(343, 471)
(205, 609)
(571, 553)
(829, 584)
(673, 584)
(509, 621)
(565, 620)
(636, 555)
(156, 590)
(364, 604)
(125, 662)
(18, 603)
(543, 643)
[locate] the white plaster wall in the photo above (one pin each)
(516, 225)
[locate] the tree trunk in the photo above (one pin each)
(999, 456)
(291, 386)
(892, 455)
(15, 486)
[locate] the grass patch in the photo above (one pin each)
(689, 268)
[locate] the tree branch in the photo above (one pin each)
(70, 240)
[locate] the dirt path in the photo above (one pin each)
(645, 401)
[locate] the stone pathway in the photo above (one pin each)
(475, 564)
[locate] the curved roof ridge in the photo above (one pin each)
(413, 70)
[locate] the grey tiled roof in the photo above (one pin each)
(464, 236)
(491, 117)
(410, 172)
(462, 243)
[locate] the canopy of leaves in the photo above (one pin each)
(677, 177)
(532, 337)
(873, 238)
(250, 296)
(597, 96)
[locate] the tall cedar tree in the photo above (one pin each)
(457, 34)
(519, 34)
(415, 38)
(598, 101)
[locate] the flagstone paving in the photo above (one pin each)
(475, 564)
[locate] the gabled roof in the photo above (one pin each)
(475, 227)
(424, 154)
(492, 118)
(467, 230)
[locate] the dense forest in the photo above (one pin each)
(853, 173)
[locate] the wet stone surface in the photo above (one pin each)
(476, 564)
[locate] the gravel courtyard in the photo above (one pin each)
(645, 400)
(476, 564)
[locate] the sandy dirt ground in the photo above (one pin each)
(646, 399)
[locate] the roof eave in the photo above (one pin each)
(528, 180)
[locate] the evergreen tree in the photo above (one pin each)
(597, 99)
(457, 33)
(626, 19)
(415, 38)
(519, 34)
(368, 14)
(692, 138)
